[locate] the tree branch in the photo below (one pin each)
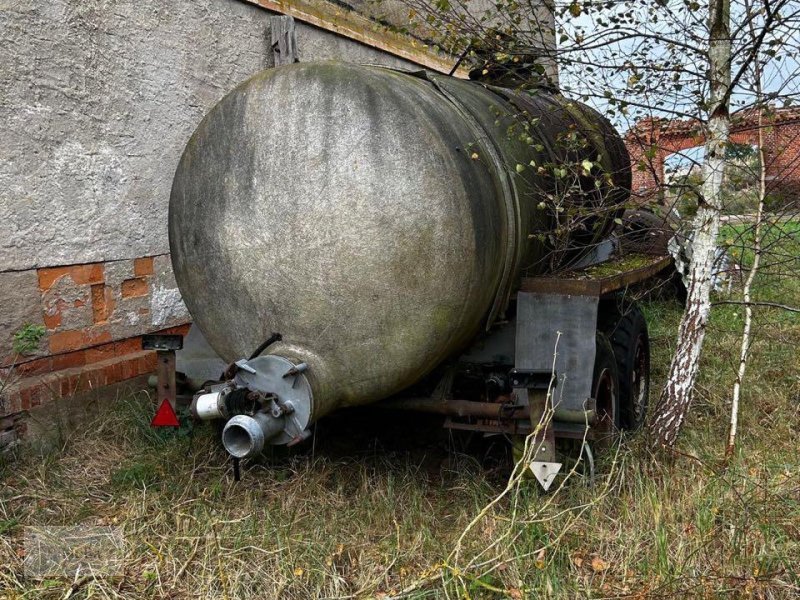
(754, 303)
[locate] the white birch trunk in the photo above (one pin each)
(744, 350)
(748, 308)
(676, 396)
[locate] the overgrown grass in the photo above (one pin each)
(377, 505)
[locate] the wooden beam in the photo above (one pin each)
(357, 27)
(570, 285)
(284, 41)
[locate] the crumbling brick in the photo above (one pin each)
(134, 288)
(143, 266)
(80, 274)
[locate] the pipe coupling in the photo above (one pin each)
(245, 436)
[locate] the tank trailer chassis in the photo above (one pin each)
(571, 344)
(551, 367)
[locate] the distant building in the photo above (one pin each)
(651, 141)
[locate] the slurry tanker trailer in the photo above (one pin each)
(345, 235)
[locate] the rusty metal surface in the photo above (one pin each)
(582, 285)
(485, 410)
(561, 430)
(458, 408)
(156, 341)
(507, 427)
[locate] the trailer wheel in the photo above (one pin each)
(631, 345)
(605, 384)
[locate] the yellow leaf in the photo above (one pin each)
(540, 559)
(598, 564)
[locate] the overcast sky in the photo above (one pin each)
(779, 77)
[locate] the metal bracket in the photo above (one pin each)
(165, 347)
(543, 465)
(156, 341)
(532, 379)
(242, 364)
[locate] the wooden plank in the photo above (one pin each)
(165, 372)
(571, 285)
(544, 442)
(329, 17)
(284, 41)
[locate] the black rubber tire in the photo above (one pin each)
(631, 343)
(606, 392)
(643, 231)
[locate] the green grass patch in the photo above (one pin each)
(359, 514)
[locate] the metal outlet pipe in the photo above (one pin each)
(245, 436)
(208, 406)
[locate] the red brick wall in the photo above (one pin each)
(93, 317)
(651, 141)
(46, 379)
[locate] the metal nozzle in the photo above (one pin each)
(245, 436)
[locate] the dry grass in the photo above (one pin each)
(376, 506)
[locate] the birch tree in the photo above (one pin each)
(747, 334)
(676, 397)
(761, 105)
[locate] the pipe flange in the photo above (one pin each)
(272, 374)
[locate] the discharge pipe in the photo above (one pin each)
(244, 436)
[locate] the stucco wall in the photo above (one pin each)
(97, 100)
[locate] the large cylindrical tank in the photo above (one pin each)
(376, 219)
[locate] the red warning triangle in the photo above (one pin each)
(165, 416)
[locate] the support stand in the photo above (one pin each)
(165, 347)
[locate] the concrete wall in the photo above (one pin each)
(97, 99)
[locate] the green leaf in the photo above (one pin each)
(26, 339)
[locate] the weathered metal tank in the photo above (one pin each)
(377, 219)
